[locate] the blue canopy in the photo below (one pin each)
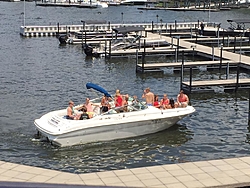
(97, 88)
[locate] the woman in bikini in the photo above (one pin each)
(165, 102)
(105, 104)
(182, 99)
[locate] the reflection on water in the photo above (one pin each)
(154, 149)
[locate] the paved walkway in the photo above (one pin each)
(234, 172)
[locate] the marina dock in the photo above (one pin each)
(224, 58)
(54, 30)
(183, 40)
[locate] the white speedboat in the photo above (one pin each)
(139, 120)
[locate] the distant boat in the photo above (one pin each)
(131, 40)
(73, 3)
(134, 2)
(238, 27)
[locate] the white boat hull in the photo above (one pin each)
(64, 132)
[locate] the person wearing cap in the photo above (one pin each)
(182, 99)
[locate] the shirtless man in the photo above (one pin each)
(149, 97)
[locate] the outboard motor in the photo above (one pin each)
(88, 50)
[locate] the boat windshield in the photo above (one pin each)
(131, 107)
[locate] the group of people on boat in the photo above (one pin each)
(121, 104)
(165, 103)
(86, 108)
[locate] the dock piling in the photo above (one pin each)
(175, 26)
(136, 60)
(237, 77)
(248, 106)
(234, 43)
(109, 48)
(227, 73)
(190, 79)
(170, 31)
(212, 53)
(182, 70)
(105, 49)
(221, 49)
(58, 30)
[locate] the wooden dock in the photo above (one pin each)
(225, 59)
(228, 85)
(54, 30)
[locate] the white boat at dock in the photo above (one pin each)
(139, 120)
(132, 39)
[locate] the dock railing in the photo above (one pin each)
(54, 30)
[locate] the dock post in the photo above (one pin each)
(227, 73)
(221, 48)
(227, 40)
(182, 70)
(190, 79)
(109, 48)
(58, 28)
(191, 30)
(178, 47)
(170, 32)
(85, 36)
(175, 25)
(196, 38)
(212, 53)
(172, 42)
(223, 36)
(237, 78)
(152, 26)
(234, 43)
(143, 61)
(176, 55)
(248, 38)
(248, 106)
(136, 60)
(105, 49)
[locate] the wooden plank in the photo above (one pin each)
(187, 64)
(229, 82)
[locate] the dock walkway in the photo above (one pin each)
(232, 172)
(228, 58)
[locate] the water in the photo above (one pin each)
(38, 75)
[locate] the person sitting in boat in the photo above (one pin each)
(70, 112)
(118, 101)
(135, 100)
(149, 97)
(125, 103)
(182, 99)
(89, 105)
(84, 114)
(156, 102)
(165, 103)
(105, 104)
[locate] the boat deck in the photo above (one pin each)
(232, 172)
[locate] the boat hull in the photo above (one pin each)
(117, 127)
